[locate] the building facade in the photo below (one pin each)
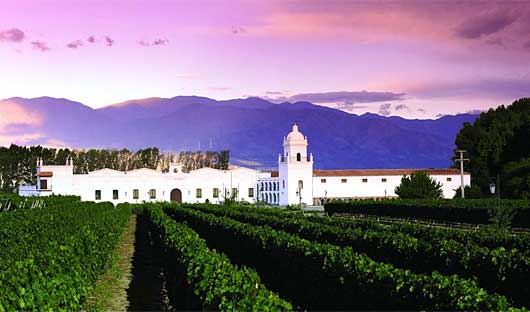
(294, 183)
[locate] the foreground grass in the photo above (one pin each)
(110, 292)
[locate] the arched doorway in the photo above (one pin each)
(176, 196)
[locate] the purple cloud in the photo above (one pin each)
(485, 24)
(385, 109)
(156, 42)
(39, 45)
(526, 45)
(238, 30)
(421, 110)
(75, 44)
(109, 42)
(274, 93)
(475, 111)
(346, 97)
(12, 35)
(160, 41)
(91, 39)
(402, 107)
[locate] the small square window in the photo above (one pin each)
(449, 179)
(198, 193)
(322, 180)
(365, 180)
(152, 194)
(114, 194)
(136, 194)
(98, 194)
(383, 180)
(344, 180)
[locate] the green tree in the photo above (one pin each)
(419, 185)
(496, 143)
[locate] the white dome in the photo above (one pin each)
(295, 135)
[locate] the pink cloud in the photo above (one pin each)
(75, 44)
(14, 114)
(39, 45)
(109, 42)
(12, 35)
(156, 42)
(91, 39)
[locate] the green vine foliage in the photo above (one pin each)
(474, 211)
(219, 284)
(50, 258)
(497, 269)
(346, 279)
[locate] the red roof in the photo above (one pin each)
(383, 172)
(274, 174)
(45, 174)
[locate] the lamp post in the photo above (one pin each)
(496, 186)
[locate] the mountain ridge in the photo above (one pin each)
(252, 129)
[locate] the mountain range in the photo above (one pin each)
(252, 129)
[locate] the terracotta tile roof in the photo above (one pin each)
(383, 172)
(45, 174)
(275, 174)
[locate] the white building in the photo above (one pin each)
(295, 182)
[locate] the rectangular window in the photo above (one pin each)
(43, 184)
(234, 192)
(98, 195)
(198, 193)
(365, 180)
(449, 179)
(344, 180)
(114, 194)
(251, 192)
(152, 194)
(215, 193)
(136, 194)
(322, 180)
(383, 180)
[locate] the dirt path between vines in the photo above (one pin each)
(110, 293)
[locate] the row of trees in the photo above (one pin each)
(498, 143)
(17, 163)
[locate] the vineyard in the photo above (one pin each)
(239, 258)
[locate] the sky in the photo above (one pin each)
(416, 59)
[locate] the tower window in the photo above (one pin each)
(98, 194)
(136, 194)
(198, 193)
(322, 180)
(383, 180)
(114, 194)
(152, 194)
(298, 157)
(365, 180)
(344, 180)
(449, 179)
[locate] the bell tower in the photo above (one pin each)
(295, 168)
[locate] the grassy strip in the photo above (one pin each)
(220, 284)
(110, 292)
(355, 278)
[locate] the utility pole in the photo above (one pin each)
(461, 160)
